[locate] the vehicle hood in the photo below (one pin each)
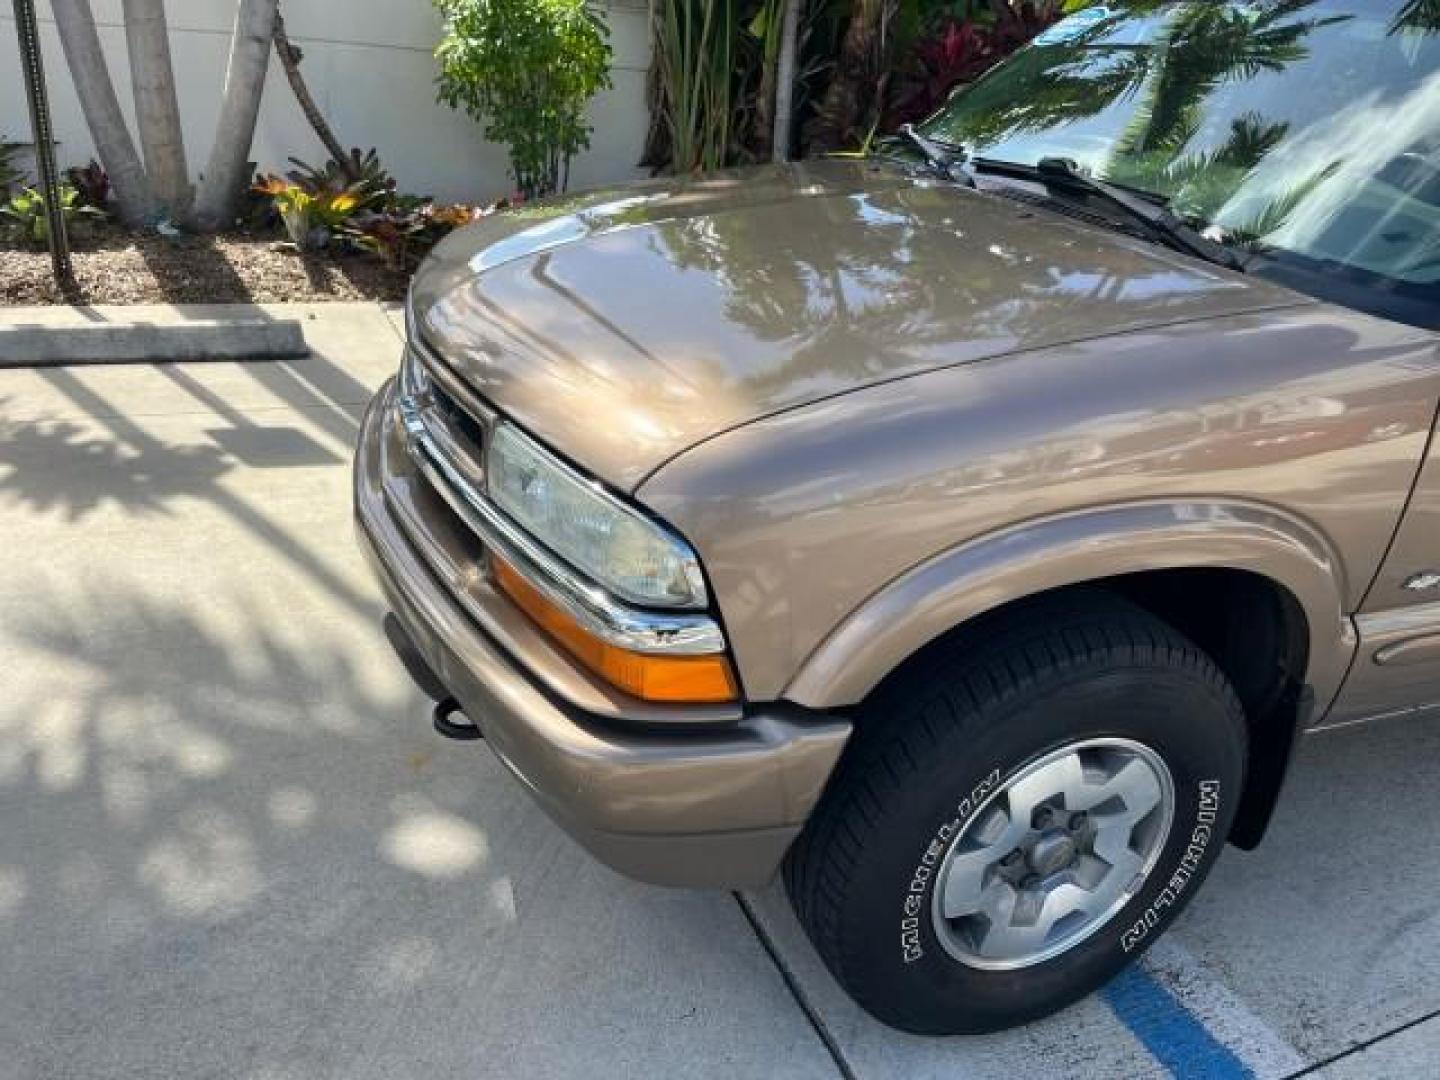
(624, 326)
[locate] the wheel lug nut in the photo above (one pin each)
(1077, 822)
(1041, 818)
(1013, 859)
(1031, 881)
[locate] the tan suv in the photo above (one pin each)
(969, 529)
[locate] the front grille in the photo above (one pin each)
(455, 421)
(453, 414)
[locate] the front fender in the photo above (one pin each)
(1071, 549)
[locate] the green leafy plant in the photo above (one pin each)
(861, 68)
(25, 217)
(692, 87)
(526, 69)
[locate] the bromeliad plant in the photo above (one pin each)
(353, 205)
(360, 174)
(403, 233)
(317, 213)
(24, 216)
(527, 69)
(311, 220)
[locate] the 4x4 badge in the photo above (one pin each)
(1429, 579)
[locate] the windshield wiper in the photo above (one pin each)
(1162, 224)
(947, 160)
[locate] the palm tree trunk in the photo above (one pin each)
(81, 42)
(157, 112)
(225, 177)
(785, 81)
(840, 110)
(290, 58)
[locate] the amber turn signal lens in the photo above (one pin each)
(690, 679)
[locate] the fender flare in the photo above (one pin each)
(1073, 548)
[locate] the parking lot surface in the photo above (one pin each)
(232, 846)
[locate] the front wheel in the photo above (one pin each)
(1021, 813)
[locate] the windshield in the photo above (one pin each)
(1306, 131)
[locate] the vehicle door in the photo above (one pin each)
(1397, 670)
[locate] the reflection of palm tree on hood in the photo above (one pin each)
(768, 285)
(885, 275)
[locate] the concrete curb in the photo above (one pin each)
(150, 342)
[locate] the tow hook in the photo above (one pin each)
(450, 720)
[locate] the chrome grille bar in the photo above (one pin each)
(445, 377)
(458, 433)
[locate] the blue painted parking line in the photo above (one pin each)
(1225, 1014)
(1174, 1035)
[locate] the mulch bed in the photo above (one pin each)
(118, 267)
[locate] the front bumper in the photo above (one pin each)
(670, 805)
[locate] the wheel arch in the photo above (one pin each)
(1273, 617)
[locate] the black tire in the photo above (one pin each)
(965, 715)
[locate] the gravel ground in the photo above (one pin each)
(123, 268)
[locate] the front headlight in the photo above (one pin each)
(619, 548)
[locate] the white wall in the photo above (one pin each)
(370, 68)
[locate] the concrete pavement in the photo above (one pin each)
(231, 844)
(232, 847)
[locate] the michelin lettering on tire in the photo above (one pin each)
(924, 874)
(1190, 861)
